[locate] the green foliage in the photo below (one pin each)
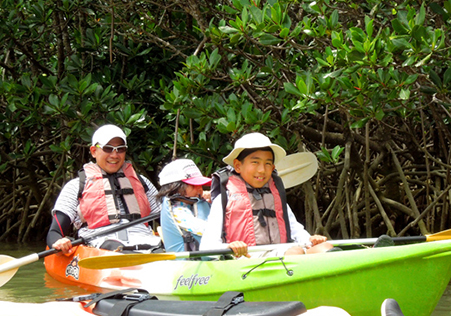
(369, 69)
(332, 157)
(308, 74)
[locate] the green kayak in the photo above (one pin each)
(358, 281)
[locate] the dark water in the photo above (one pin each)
(32, 284)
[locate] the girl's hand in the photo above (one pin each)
(207, 196)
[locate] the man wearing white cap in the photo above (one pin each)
(184, 208)
(255, 213)
(106, 193)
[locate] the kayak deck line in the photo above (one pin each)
(288, 271)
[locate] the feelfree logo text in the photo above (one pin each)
(191, 281)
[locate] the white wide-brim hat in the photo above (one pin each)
(105, 133)
(182, 170)
(254, 140)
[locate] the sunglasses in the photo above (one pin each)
(109, 149)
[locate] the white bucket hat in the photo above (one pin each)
(183, 170)
(106, 133)
(254, 140)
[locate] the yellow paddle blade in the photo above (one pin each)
(123, 260)
(6, 275)
(443, 235)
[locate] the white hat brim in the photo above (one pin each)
(279, 153)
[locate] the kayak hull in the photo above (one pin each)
(357, 281)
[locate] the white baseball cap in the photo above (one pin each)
(254, 140)
(106, 133)
(183, 170)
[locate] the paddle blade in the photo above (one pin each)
(123, 260)
(297, 168)
(444, 235)
(8, 274)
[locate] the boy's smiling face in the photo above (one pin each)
(256, 168)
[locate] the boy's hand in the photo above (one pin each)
(317, 239)
(239, 249)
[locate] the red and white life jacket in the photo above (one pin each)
(98, 203)
(240, 220)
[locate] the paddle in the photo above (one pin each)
(443, 235)
(297, 168)
(10, 265)
(127, 260)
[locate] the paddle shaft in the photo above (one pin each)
(204, 253)
(117, 228)
(127, 260)
(362, 241)
(13, 264)
(227, 251)
(371, 241)
(443, 235)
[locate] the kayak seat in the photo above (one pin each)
(114, 245)
(111, 244)
(230, 303)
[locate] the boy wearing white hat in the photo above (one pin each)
(106, 193)
(184, 207)
(255, 214)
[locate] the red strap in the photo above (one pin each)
(58, 222)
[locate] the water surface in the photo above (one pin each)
(31, 283)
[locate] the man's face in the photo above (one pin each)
(256, 168)
(109, 162)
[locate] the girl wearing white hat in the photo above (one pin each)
(184, 207)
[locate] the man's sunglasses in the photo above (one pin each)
(109, 149)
